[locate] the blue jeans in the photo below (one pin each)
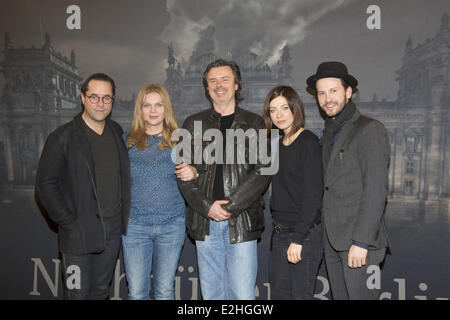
(159, 244)
(227, 271)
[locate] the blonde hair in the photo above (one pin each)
(137, 136)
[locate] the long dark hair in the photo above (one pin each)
(294, 103)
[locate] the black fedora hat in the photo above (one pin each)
(331, 69)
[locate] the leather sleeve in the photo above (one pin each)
(254, 186)
(194, 196)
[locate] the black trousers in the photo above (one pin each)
(88, 277)
(351, 283)
(290, 281)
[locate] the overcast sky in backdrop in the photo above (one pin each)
(128, 39)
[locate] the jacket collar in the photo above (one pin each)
(77, 121)
(356, 115)
(85, 147)
(83, 142)
(238, 116)
(345, 133)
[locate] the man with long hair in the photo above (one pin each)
(225, 215)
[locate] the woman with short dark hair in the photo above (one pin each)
(297, 187)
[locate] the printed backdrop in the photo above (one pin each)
(398, 50)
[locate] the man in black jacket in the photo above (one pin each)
(83, 181)
(225, 214)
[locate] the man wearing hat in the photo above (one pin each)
(355, 159)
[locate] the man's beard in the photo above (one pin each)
(337, 108)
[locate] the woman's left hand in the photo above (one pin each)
(185, 172)
(294, 253)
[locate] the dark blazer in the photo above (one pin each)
(65, 184)
(356, 185)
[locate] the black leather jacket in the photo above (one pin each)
(243, 184)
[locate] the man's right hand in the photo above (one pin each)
(217, 213)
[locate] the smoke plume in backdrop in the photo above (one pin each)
(237, 24)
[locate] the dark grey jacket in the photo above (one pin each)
(243, 184)
(65, 184)
(356, 185)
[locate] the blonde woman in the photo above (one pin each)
(156, 229)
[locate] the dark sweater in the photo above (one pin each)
(297, 188)
(218, 191)
(107, 170)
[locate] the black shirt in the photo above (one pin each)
(297, 188)
(218, 192)
(107, 170)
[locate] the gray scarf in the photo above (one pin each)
(332, 126)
